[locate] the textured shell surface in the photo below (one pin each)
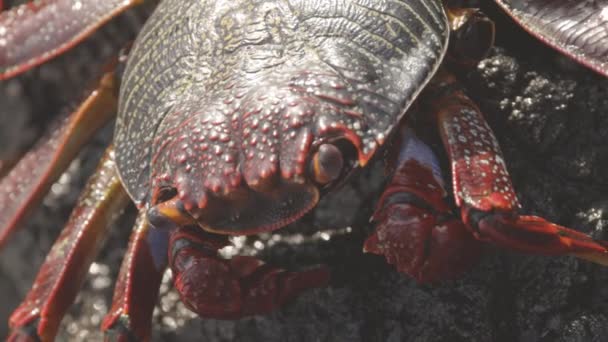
(220, 94)
(577, 28)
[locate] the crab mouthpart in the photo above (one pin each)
(246, 212)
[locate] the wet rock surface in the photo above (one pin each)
(551, 117)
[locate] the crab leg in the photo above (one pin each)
(482, 186)
(65, 267)
(35, 32)
(26, 184)
(228, 289)
(138, 283)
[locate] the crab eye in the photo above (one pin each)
(167, 210)
(327, 164)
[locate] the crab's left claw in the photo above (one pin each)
(215, 287)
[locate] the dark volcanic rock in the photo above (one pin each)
(551, 118)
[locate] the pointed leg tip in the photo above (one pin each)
(598, 258)
(535, 235)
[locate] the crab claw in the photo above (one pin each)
(415, 229)
(421, 245)
(214, 287)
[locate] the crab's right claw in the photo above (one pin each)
(415, 229)
(35, 32)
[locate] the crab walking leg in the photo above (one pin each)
(35, 32)
(65, 267)
(482, 186)
(415, 228)
(25, 185)
(214, 287)
(138, 284)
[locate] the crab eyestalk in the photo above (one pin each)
(326, 164)
(166, 215)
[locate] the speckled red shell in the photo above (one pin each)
(219, 96)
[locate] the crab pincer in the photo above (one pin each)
(419, 232)
(231, 288)
(217, 287)
(415, 228)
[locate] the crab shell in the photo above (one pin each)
(578, 29)
(223, 110)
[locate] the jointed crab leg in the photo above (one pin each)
(138, 283)
(33, 33)
(65, 267)
(482, 187)
(26, 184)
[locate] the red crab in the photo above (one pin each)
(284, 126)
